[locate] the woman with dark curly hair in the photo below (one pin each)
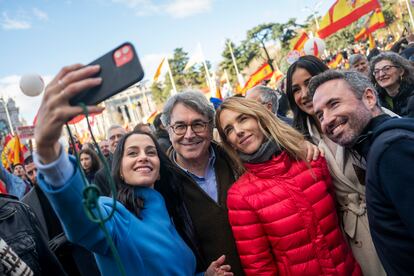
(393, 77)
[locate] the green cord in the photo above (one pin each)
(91, 194)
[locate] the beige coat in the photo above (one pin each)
(348, 178)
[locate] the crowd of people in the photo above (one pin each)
(243, 189)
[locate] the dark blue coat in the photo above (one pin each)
(388, 145)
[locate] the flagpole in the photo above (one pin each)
(239, 77)
(171, 76)
(410, 13)
(208, 77)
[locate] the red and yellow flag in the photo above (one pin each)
(301, 42)
(151, 117)
(344, 12)
(158, 72)
(263, 73)
(13, 152)
(375, 22)
(333, 64)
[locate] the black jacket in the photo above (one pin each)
(399, 103)
(101, 178)
(210, 218)
(163, 139)
(75, 259)
(20, 229)
(388, 145)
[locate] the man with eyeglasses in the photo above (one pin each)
(189, 120)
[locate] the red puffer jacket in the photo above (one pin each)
(284, 220)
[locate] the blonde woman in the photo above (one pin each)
(281, 209)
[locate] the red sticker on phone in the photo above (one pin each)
(123, 55)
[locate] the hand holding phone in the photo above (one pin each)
(120, 68)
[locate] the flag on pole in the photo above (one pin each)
(151, 117)
(196, 57)
(263, 73)
(371, 40)
(158, 72)
(344, 12)
(277, 76)
(300, 43)
(13, 152)
(375, 22)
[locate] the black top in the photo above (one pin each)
(388, 146)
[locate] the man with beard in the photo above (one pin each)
(347, 107)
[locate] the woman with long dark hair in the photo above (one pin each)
(281, 209)
(346, 169)
(90, 163)
(297, 79)
(150, 227)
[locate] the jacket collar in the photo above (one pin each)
(365, 139)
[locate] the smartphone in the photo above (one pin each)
(120, 68)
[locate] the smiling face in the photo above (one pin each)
(300, 81)
(242, 131)
(140, 165)
(342, 116)
(387, 75)
(190, 146)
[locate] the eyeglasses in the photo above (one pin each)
(197, 127)
(386, 69)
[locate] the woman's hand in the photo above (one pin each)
(312, 151)
(55, 109)
(218, 268)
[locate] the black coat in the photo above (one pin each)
(75, 259)
(388, 145)
(20, 229)
(399, 103)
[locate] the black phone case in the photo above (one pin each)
(114, 79)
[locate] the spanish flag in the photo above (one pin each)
(300, 43)
(13, 152)
(375, 22)
(333, 64)
(158, 72)
(344, 12)
(151, 117)
(263, 73)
